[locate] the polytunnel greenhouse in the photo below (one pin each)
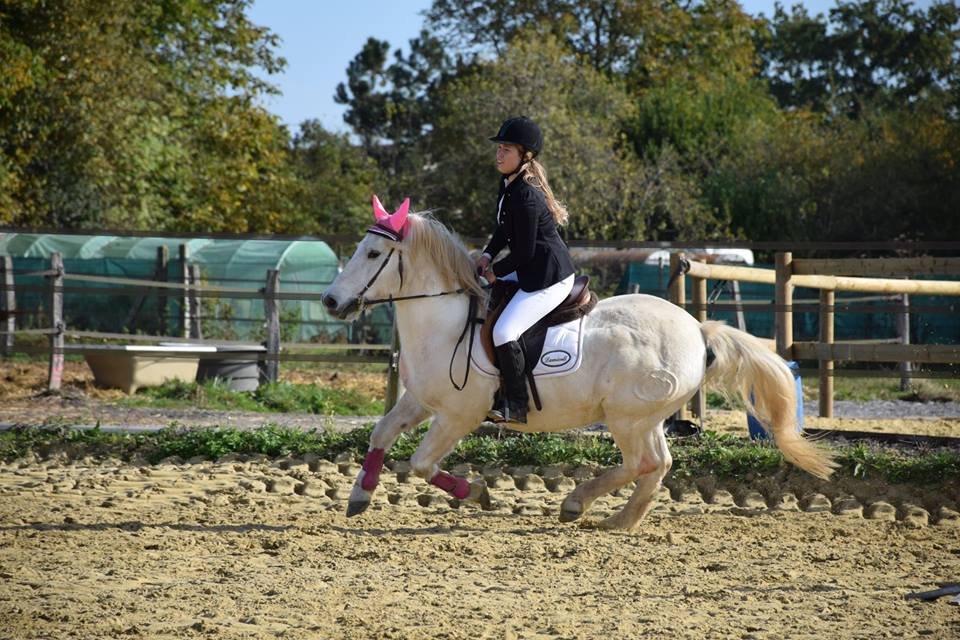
(306, 267)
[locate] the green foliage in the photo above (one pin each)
(867, 389)
(645, 42)
(699, 118)
(270, 440)
(140, 115)
(608, 190)
(800, 177)
(867, 53)
(664, 120)
(337, 179)
(391, 107)
(871, 462)
(726, 456)
(277, 397)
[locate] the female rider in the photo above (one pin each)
(527, 219)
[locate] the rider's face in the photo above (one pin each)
(508, 158)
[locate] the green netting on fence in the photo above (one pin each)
(936, 319)
(306, 267)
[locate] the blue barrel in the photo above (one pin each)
(756, 431)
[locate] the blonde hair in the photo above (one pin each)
(535, 174)
(429, 237)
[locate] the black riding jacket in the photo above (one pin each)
(525, 224)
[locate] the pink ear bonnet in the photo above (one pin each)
(390, 225)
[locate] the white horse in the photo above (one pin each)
(643, 358)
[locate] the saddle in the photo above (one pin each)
(579, 303)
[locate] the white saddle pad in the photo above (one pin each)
(561, 355)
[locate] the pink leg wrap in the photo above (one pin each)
(372, 464)
(457, 487)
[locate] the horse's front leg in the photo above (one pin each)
(440, 440)
(406, 414)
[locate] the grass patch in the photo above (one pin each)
(723, 456)
(867, 389)
(274, 397)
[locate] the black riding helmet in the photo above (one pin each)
(523, 131)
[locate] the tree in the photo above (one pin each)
(338, 179)
(139, 115)
(699, 117)
(608, 190)
(879, 53)
(645, 41)
(391, 107)
(805, 177)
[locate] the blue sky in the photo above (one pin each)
(320, 38)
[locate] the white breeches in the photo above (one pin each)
(527, 308)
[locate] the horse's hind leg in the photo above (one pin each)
(407, 413)
(656, 464)
(641, 457)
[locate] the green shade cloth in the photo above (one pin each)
(306, 266)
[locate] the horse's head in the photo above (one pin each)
(374, 271)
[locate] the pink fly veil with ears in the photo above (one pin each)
(391, 225)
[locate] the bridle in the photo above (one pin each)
(363, 302)
(472, 320)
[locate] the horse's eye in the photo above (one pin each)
(373, 254)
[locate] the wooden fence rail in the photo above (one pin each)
(821, 274)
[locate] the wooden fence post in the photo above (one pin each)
(271, 307)
(186, 317)
(393, 371)
(55, 298)
(741, 320)
(9, 301)
(196, 331)
(163, 258)
(783, 315)
(678, 289)
(678, 296)
(903, 331)
(699, 291)
(827, 298)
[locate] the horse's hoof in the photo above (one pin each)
(617, 523)
(356, 507)
(568, 515)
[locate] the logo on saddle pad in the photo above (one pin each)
(555, 359)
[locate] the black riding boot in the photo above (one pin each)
(510, 404)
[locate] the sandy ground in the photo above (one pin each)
(253, 548)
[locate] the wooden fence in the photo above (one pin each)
(189, 290)
(830, 276)
(827, 275)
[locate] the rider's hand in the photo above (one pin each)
(483, 262)
(490, 276)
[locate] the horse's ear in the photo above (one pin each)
(398, 219)
(378, 211)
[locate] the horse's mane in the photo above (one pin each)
(431, 239)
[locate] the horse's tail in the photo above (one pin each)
(743, 364)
